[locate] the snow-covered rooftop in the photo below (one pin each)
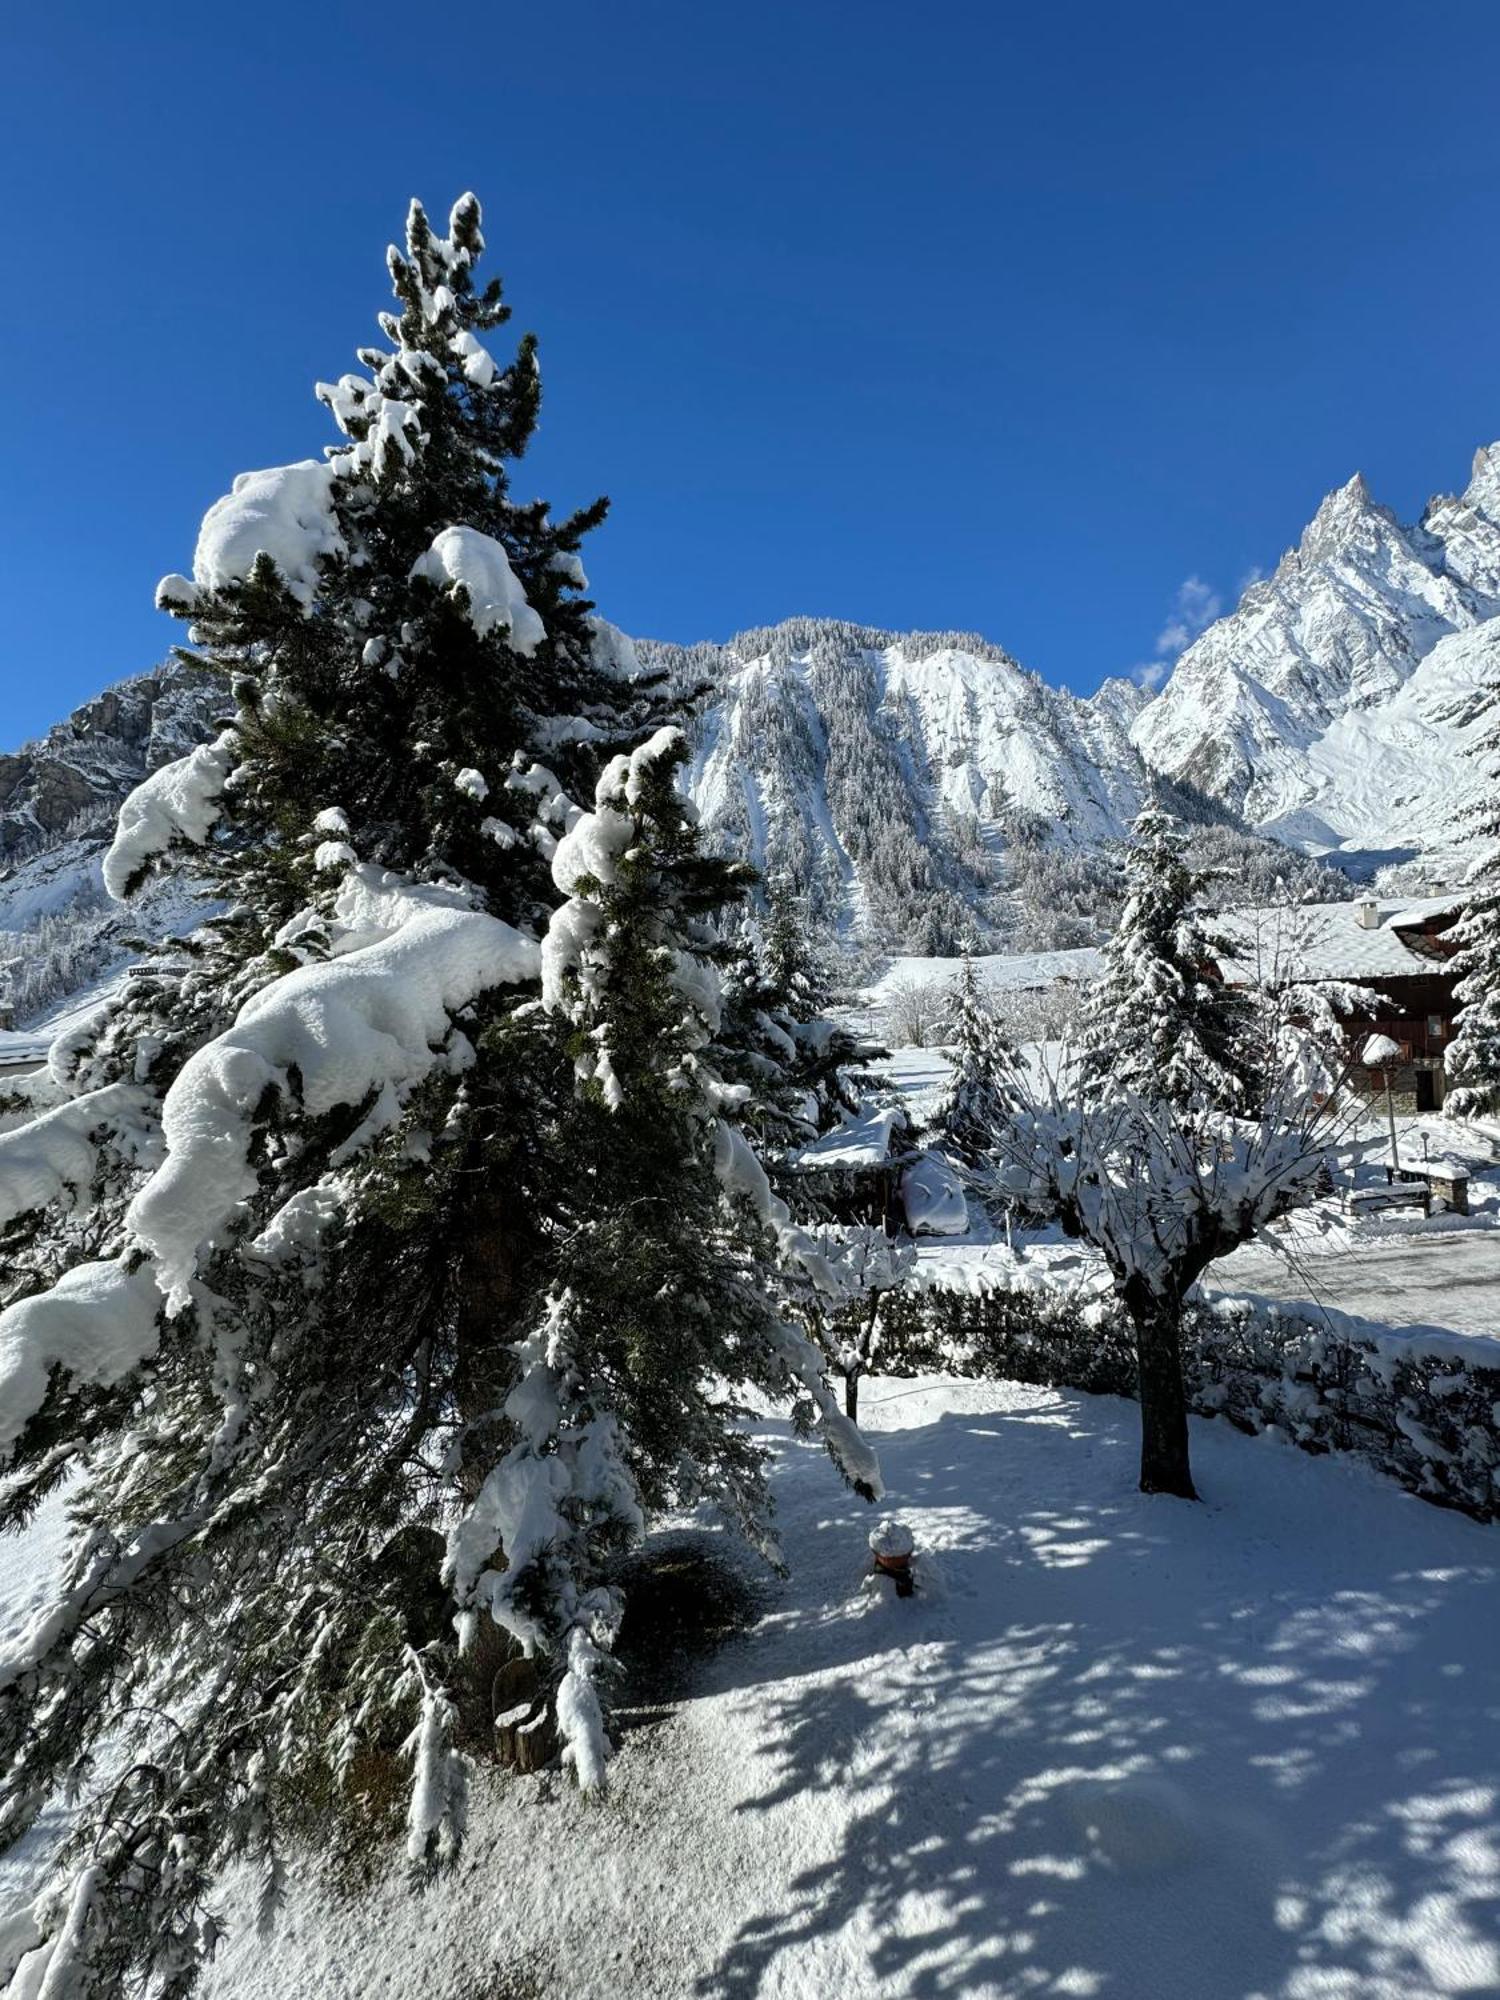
(1002, 972)
(1329, 941)
(863, 1140)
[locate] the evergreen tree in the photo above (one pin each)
(664, 1310)
(800, 1066)
(1160, 1023)
(982, 1087)
(793, 965)
(1473, 1057)
(289, 1238)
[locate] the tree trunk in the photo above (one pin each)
(491, 1292)
(1164, 1424)
(851, 1395)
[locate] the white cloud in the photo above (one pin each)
(1194, 608)
(1150, 674)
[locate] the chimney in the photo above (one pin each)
(1367, 913)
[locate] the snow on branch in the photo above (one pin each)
(372, 1021)
(438, 1810)
(1160, 1190)
(56, 1153)
(285, 512)
(566, 1472)
(180, 803)
(96, 1324)
(580, 1715)
(464, 559)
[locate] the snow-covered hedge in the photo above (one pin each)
(1420, 1403)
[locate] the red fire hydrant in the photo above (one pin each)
(891, 1545)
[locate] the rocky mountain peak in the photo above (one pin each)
(1319, 706)
(1349, 516)
(93, 757)
(1483, 490)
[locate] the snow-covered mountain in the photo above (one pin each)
(919, 786)
(58, 800)
(1333, 705)
(888, 775)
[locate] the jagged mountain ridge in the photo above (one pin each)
(888, 775)
(920, 787)
(1333, 705)
(58, 801)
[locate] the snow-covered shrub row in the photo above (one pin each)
(1049, 1336)
(1420, 1403)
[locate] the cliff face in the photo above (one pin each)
(58, 799)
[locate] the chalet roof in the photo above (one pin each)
(866, 1138)
(1328, 941)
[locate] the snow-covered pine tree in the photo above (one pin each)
(1160, 1022)
(1473, 1057)
(282, 1238)
(789, 953)
(672, 1252)
(982, 1088)
(1472, 1061)
(799, 1065)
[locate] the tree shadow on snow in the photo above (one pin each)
(688, 1592)
(1135, 1747)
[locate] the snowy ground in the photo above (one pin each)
(1138, 1749)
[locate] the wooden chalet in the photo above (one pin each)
(853, 1173)
(1402, 950)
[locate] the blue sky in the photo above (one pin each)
(997, 317)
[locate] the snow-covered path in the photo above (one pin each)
(1449, 1278)
(1248, 1750)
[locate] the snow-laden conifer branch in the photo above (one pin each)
(176, 806)
(371, 1022)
